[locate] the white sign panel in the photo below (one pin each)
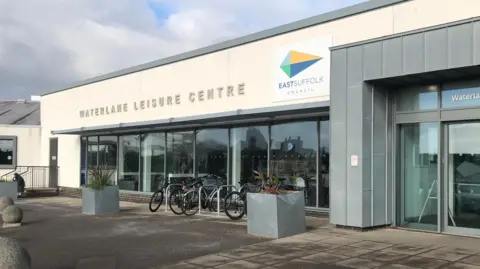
(354, 160)
(302, 70)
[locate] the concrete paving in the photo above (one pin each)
(331, 248)
(58, 235)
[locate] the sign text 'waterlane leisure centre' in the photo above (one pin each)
(163, 101)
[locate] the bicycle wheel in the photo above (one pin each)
(191, 203)
(156, 201)
(213, 204)
(175, 201)
(235, 206)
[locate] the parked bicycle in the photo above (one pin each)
(156, 199)
(199, 194)
(176, 200)
(236, 201)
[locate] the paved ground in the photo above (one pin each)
(59, 236)
(333, 249)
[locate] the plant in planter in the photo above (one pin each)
(9, 188)
(274, 211)
(100, 195)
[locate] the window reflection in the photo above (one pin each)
(129, 162)
(107, 151)
(179, 155)
(92, 151)
(153, 161)
(324, 159)
(211, 155)
(417, 98)
(248, 152)
(293, 159)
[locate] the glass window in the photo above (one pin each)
(324, 159)
(92, 151)
(107, 151)
(129, 163)
(293, 158)
(153, 161)
(7, 153)
(419, 165)
(180, 155)
(461, 94)
(463, 177)
(248, 152)
(417, 98)
(83, 161)
(211, 151)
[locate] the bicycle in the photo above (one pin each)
(176, 198)
(192, 198)
(156, 199)
(239, 200)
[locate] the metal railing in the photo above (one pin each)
(36, 177)
(217, 192)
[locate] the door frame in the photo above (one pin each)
(445, 193)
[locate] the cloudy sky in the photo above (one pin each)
(48, 44)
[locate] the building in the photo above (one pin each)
(374, 106)
(20, 140)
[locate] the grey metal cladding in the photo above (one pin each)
(436, 50)
(338, 81)
(372, 64)
(413, 54)
(392, 58)
(476, 43)
(280, 30)
(460, 45)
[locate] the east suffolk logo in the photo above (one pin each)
(296, 62)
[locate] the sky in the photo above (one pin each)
(46, 45)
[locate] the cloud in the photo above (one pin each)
(48, 44)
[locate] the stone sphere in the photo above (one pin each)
(5, 202)
(13, 255)
(12, 214)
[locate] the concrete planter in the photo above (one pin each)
(102, 201)
(9, 189)
(276, 216)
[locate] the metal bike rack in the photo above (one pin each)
(200, 196)
(167, 194)
(218, 196)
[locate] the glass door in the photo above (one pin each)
(418, 175)
(462, 178)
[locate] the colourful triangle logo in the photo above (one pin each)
(295, 62)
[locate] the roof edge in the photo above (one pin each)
(279, 30)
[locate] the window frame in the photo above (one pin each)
(14, 152)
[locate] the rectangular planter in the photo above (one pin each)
(276, 216)
(9, 189)
(102, 201)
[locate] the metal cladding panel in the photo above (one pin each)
(476, 43)
(413, 54)
(392, 63)
(436, 50)
(460, 45)
(372, 64)
(338, 139)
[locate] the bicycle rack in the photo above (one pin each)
(167, 194)
(218, 196)
(200, 196)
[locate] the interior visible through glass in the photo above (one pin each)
(293, 156)
(463, 182)
(419, 146)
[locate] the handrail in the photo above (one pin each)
(200, 196)
(167, 192)
(218, 196)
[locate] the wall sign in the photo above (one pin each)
(222, 92)
(354, 160)
(302, 70)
